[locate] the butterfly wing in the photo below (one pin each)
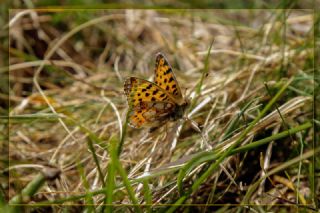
(165, 78)
(150, 114)
(147, 101)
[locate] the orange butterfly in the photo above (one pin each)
(152, 104)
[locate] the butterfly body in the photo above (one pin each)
(152, 104)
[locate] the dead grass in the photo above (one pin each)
(67, 70)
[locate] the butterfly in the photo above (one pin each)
(152, 104)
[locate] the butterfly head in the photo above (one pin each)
(180, 110)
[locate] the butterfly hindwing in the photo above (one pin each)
(150, 113)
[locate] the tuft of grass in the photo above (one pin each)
(223, 156)
(251, 99)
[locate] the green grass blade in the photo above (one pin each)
(197, 160)
(89, 198)
(128, 186)
(235, 121)
(177, 204)
(92, 138)
(124, 131)
(111, 174)
(280, 135)
(27, 192)
(2, 199)
(147, 195)
(30, 117)
(204, 74)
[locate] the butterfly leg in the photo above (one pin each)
(153, 129)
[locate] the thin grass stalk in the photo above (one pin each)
(298, 195)
(147, 195)
(96, 161)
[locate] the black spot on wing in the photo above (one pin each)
(168, 71)
(175, 91)
(155, 92)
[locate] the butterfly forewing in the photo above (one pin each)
(165, 78)
(138, 90)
